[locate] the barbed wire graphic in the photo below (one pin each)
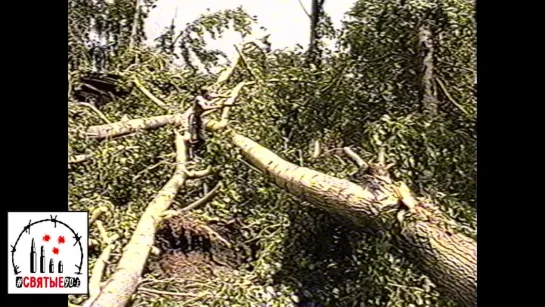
(54, 220)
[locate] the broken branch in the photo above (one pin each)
(134, 125)
(206, 198)
(354, 156)
(152, 97)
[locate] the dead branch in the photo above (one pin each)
(206, 198)
(354, 156)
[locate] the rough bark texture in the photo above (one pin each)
(122, 284)
(449, 259)
(429, 101)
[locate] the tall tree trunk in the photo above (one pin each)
(448, 258)
(315, 15)
(425, 40)
(135, 23)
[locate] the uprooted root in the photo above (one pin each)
(193, 255)
(182, 237)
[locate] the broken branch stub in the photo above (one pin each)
(356, 158)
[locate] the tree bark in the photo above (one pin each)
(134, 125)
(316, 12)
(122, 284)
(429, 101)
(135, 21)
(448, 258)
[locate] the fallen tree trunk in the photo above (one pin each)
(448, 258)
(134, 125)
(122, 284)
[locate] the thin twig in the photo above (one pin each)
(213, 233)
(304, 9)
(199, 174)
(449, 97)
(149, 168)
(251, 166)
(103, 233)
(206, 198)
(317, 149)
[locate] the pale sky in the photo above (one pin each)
(285, 20)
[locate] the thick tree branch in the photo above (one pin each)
(123, 283)
(134, 125)
(226, 74)
(447, 257)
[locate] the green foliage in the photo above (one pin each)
(191, 40)
(381, 38)
(365, 95)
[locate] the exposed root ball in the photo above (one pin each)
(192, 248)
